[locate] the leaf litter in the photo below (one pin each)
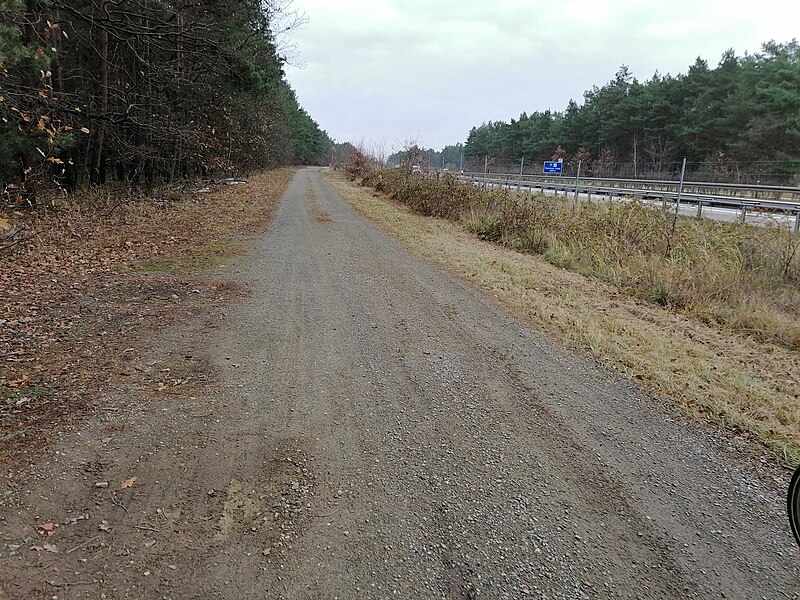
(91, 280)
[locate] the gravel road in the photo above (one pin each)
(379, 430)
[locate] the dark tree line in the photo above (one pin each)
(144, 91)
(449, 157)
(741, 118)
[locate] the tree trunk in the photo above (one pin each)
(98, 164)
(26, 161)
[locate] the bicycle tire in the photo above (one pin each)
(793, 504)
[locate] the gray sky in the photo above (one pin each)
(383, 72)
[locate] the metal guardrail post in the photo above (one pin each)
(678, 199)
(796, 227)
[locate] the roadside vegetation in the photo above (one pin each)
(745, 279)
(94, 277)
(707, 313)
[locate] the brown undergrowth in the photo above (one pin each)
(94, 277)
(746, 385)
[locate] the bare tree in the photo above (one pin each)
(660, 152)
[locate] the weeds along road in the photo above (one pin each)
(378, 430)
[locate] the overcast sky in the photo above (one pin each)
(384, 72)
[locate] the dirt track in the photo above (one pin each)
(378, 430)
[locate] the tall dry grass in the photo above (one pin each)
(741, 278)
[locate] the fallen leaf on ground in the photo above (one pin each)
(50, 548)
(47, 528)
(128, 482)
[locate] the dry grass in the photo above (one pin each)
(745, 279)
(745, 385)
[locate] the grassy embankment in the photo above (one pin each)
(707, 316)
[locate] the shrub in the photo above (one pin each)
(486, 228)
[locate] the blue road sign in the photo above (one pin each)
(551, 166)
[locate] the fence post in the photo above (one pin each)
(797, 222)
(521, 166)
(678, 199)
(485, 171)
(577, 178)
